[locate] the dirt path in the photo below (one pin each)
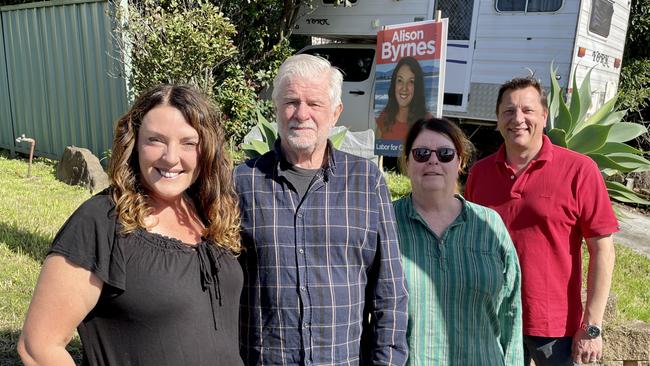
(635, 230)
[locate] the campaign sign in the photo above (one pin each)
(409, 80)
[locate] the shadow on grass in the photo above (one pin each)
(9, 356)
(8, 341)
(23, 242)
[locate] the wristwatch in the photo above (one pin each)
(593, 331)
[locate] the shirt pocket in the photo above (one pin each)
(483, 270)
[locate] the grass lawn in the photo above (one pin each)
(631, 283)
(32, 210)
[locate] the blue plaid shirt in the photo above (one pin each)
(317, 269)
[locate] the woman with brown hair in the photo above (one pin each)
(406, 101)
(460, 265)
(147, 270)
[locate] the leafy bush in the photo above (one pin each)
(634, 85)
(263, 28)
(601, 136)
(178, 43)
(238, 99)
(634, 88)
(191, 42)
(398, 185)
(638, 35)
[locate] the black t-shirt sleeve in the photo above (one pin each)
(89, 239)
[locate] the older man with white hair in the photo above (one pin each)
(321, 264)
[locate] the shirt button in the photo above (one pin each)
(512, 177)
(300, 215)
(300, 251)
(304, 325)
(302, 288)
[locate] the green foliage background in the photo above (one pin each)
(228, 49)
(634, 86)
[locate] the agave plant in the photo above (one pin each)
(601, 136)
(269, 134)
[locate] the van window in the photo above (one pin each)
(529, 6)
(600, 20)
(354, 63)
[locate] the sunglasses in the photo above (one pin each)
(423, 154)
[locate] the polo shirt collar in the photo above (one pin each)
(545, 153)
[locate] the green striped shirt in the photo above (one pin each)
(464, 289)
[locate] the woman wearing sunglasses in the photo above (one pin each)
(460, 264)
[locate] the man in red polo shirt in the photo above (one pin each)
(550, 199)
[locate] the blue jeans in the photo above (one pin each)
(546, 351)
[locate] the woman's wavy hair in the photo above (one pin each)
(212, 193)
(417, 107)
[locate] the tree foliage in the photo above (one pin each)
(635, 89)
(263, 27)
(228, 49)
(634, 86)
(638, 33)
(177, 44)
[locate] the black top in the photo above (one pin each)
(163, 302)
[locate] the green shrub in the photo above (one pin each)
(238, 100)
(601, 136)
(398, 185)
(192, 43)
(634, 88)
(178, 43)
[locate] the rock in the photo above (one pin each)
(629, 341)
(78, 166)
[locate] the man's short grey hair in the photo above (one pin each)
(308, 67)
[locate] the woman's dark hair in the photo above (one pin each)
(417, 108)
(463, 146)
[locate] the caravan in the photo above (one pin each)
(489, 42)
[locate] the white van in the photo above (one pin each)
(489, 42)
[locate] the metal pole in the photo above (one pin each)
(32, 143)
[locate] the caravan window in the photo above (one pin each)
(529, 6)
(461, 12)
(354, 63)
(600, 20)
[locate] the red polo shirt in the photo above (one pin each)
(559, 199)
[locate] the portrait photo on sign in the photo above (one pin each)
(408, 81)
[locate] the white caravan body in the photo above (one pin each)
(489, 42)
